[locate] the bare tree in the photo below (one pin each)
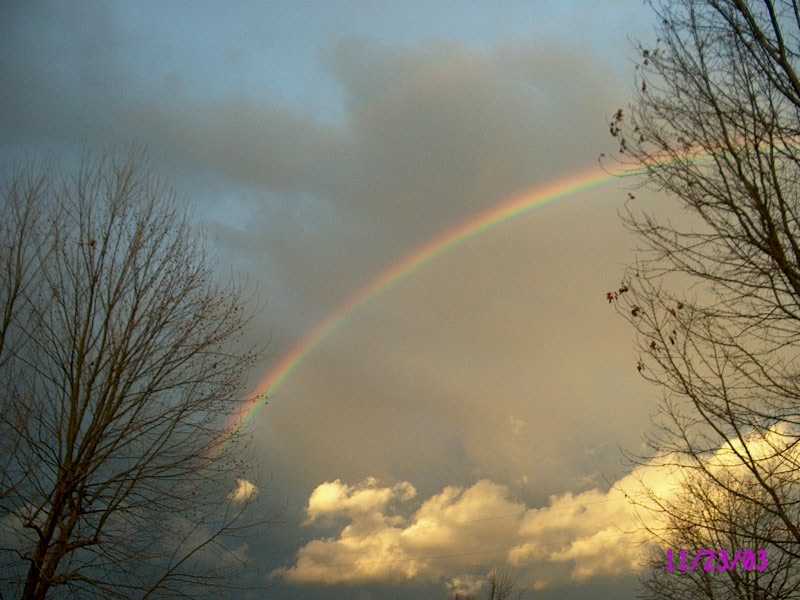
(502, 586)
(118, 367)
(718, 527)
(715, 295)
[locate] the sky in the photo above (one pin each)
(412, 191)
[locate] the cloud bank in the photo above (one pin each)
(461, 530)
(460, 533)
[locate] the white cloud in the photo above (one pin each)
(334, 498)
(461, 530)
(243, 491)
(593, 533)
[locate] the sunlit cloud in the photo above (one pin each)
(243, 491)
(334, 498)
(460, 533)
(460, 530)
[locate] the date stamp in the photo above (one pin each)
(716, 560)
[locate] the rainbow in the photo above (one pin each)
(516, 207)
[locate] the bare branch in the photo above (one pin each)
(715, 299)
(119, 363)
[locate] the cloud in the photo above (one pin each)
(601, 533)
(460, 530)
(466, 585)
(243, 491)
(460, 533)
(334, 498)
(376, 546)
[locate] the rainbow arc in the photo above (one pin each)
(522, 204)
